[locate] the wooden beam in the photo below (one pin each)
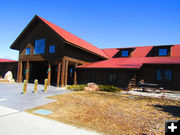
(74, 60)
(58, 73)
(20, 71)
(62, 72)
(27, 70)
(64, 68)
(75, 75)
(66, 73)
(38, 58)
(49, 74)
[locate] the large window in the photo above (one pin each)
(39, 46)
(52, 49)
(124, 53)
(28, 50)
(163, 52)
(164, 75)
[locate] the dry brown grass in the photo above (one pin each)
(112, 113)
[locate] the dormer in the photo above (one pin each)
(124, 52)
(161, 51)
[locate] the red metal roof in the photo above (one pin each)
(138, 52)
(111, 51)
(134, 63)
(141, 51)
(175, 50)
(6, 60)
(67, 36)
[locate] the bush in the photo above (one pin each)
(78, 87)
(107, 88)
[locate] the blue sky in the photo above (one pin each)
(104, 23)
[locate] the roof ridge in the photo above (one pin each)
(69, 37)
(140, 46)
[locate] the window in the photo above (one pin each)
(168, 75)
(112, 77)
(92, 77)
(164, 75)
(28, 50)
(39, 46)
(163, 52)
(71, 72)
(159, 75)
(52, 49)
(124, 53)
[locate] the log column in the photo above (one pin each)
(62, 73)
(20, 72)
(49, 74)
(58, 73)
(66, 73)
(27, 70)
(75, 75)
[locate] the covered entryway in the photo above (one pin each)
(38, 70)
(68, 72)
(57, 72)
(32, 70)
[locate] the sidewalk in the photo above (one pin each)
(11, 97)
(14, 122)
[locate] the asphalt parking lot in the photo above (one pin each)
(11, 95)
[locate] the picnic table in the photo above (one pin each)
(150, 86)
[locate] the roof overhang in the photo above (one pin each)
(16, 47)
(107, 68)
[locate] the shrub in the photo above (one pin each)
(107, 88)
(78, 87)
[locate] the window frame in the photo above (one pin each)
(159, 77)
(167, 75)
(44, 47)
(125, 53)
(54, 49)
(163, 49)
(163, 75)
(26, 51)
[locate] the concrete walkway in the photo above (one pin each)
(14, 122)
(11, 95)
